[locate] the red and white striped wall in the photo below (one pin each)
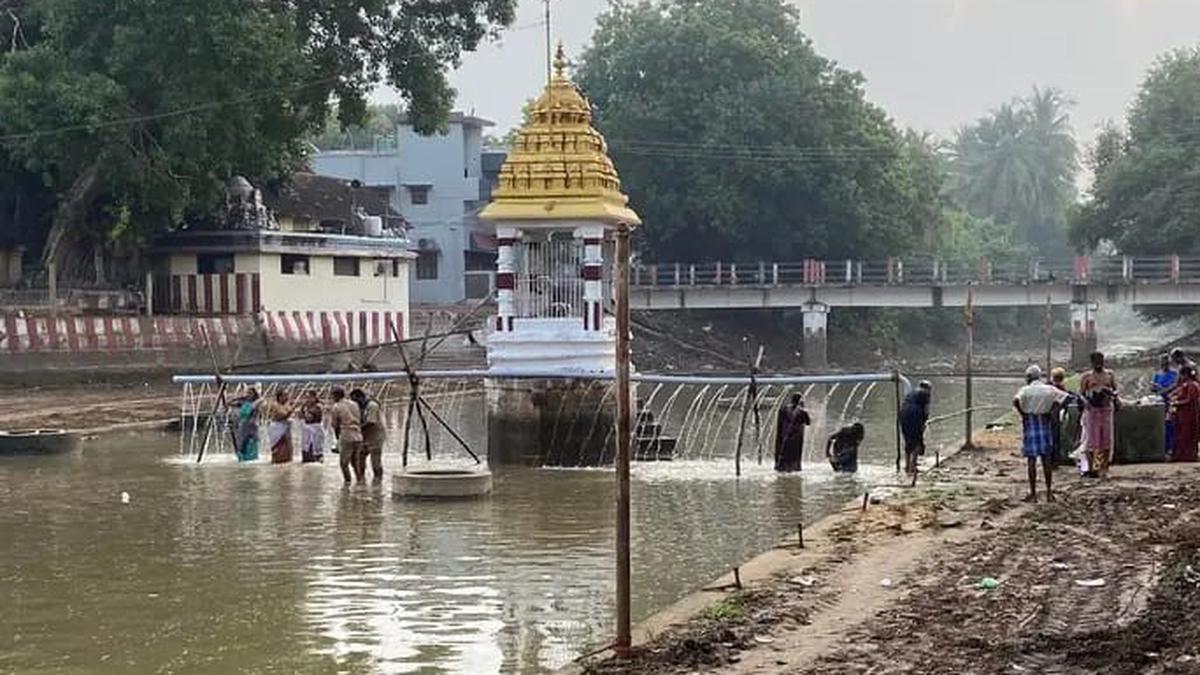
(30, 333)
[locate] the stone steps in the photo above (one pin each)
(649, 443)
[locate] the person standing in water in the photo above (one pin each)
(279, 432)
(373, 431)
(1099, 390)
(914, 413)
(247, 433)
(842, 448)
(347, 426)
(789, 436)
(1037, 403)
(312, 439)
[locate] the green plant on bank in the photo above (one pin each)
(728, 609)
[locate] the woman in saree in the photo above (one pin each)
(279, 432)
(1185, 405)
(247, 429)
(1099, 389)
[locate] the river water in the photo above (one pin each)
(219, 567)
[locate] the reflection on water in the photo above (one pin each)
(223, 567)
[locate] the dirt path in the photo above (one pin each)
(1087, 584)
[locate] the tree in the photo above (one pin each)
(1146, 194)
(135, 113)
(1017, 165)
(735, 139)
(377, 127)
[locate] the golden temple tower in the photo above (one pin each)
(557, 201)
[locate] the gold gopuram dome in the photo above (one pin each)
(559, 167)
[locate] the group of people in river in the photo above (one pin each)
(356, 421)
(842, 447)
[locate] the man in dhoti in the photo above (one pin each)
(1037, 403)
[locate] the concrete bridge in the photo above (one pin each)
(817, 286)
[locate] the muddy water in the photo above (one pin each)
(220, 567)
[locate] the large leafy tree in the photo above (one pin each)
(1146, 194)
(736, 139)
(134, 113)
(1017, 165)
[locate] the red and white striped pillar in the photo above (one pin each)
(507, 239)
(593, 276)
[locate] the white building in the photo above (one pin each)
(315, 253)
(438, 184)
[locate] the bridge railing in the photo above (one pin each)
(923, 270)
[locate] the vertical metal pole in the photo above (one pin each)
(624, 435)
(1049, 336)
(899, 445)
(549, 59)
(969, 395)
(149, 294)
(52, 283)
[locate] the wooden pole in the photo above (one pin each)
(969, 394)
(624, 434)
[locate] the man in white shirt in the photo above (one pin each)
(1037, 403)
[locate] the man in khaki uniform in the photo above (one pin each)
(347, 426)
(372, 431)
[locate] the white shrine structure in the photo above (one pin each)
(557, 202)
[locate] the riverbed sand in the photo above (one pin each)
(958, 575)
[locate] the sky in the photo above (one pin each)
(934, 65)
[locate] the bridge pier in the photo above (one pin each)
(814, 347)
(1083, 334)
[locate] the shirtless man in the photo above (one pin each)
(347, 426)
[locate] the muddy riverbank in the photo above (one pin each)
(1103, 580)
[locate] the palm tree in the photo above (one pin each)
(1017, 165)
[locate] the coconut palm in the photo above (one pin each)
(1017, 165)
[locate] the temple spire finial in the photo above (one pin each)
(560, 61)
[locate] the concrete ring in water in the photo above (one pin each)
(441, 484)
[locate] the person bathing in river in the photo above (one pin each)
(789, 436)
(373, 432)
(1185, 411)
(1099, 390)
(279, 432)
(312, 438)
(247, 429)
(842, 448)
(1038, 403)
(914, 414)
(347, 426)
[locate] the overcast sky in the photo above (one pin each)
(932, 64)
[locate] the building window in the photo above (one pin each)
(427, 265)
(418, 194)
(397, 267)
(293, 264)
(214, 263)
(345, 267)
